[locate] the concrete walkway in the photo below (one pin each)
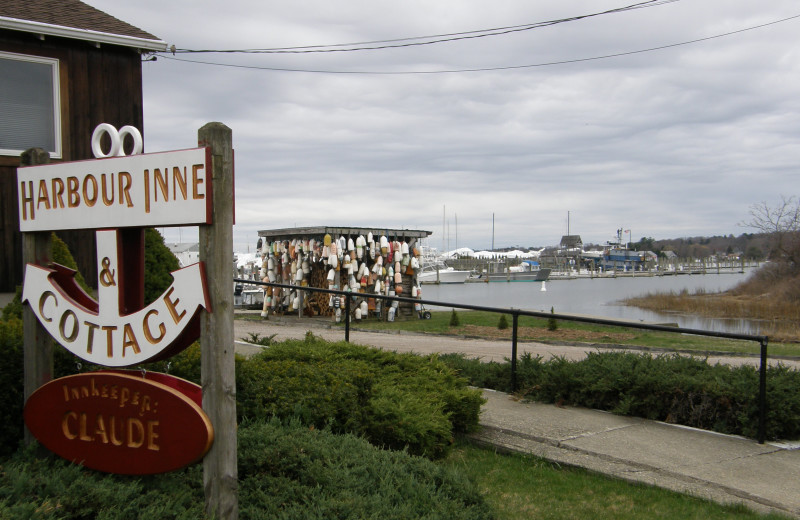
(723, 468)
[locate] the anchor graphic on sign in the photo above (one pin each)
(117, 330)
(101, 332)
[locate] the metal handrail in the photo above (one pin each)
(516, 313)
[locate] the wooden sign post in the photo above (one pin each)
(37, 248)
(123, 422)
(220, 472)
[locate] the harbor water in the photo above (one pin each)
(598, 297)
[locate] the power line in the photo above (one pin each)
(484, 69)
(429, 40)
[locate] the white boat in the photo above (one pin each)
(438, 272)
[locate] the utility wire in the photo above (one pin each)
(429, 40)
(485, 69)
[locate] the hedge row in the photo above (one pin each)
(286, 471)
(397, 401)
(668, 387)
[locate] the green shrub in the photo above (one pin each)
(454, 321)
(33, 487)
(294, 472)
(552, 323)
(11, 370)
(159, 263)
(62, 256)
(400, 401)
(502, 323)
(672, 388)
(14, 308)
(286, 470)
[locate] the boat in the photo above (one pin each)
(438, 272)
(526, 271)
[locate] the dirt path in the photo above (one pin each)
(487, 350)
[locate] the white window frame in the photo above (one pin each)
(54, 68)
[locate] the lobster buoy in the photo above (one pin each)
(414, 291)
(364, 308)
(358, 313)
(326, 240)
(384, 245)
(360, 243)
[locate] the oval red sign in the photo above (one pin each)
(119, 423)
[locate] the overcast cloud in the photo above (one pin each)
(669, 143)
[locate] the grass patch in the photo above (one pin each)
(484, 325)
(520, 486)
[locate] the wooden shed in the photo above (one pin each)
(65, 67)
(359, 259)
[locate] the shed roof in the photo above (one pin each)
(571, 241)
(74, 19)
(321, 231)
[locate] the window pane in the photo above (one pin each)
(27, 112)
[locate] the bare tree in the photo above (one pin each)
(782, 223)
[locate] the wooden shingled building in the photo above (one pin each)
(65, 67)
(358, 259)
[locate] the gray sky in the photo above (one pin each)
(668, 143)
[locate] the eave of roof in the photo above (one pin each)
(319, 231)
(98, 37)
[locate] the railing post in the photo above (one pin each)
(762, 393)
(514, 322)
(347, 319)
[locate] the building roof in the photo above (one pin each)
(571, 241)
(320, 231)
(74, 19)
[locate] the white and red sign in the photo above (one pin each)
(147, 190)
(113, 421)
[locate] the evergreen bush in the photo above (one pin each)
(454, 321)
(11, 388)
(63, 256)
(552, 323)
(502, 323)
(670, 387)
(159, 263)
(286, 470)
(399, 401)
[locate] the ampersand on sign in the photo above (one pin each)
(107, 275)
